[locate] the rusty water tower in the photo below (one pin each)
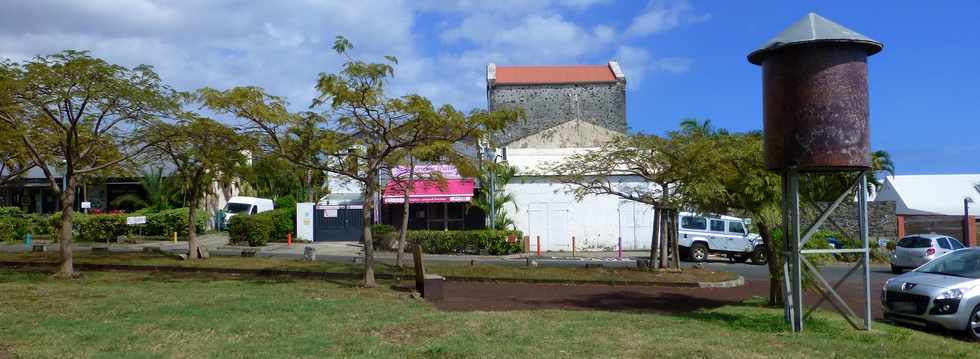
(815, 120)
(815, 96)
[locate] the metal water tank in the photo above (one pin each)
(815, 96)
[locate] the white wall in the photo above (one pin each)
(544, 209)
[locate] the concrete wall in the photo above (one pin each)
(571, 134)
(544, 209)
(882, 220)
(546, 106)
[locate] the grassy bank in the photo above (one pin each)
(602, 275)
(113, 314)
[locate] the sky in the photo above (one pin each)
(682, 59)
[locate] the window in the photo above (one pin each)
(736, 227)
(943, 243)
(717, 226)
(237, 208)
(915, 242)
(956, 243)
(688, 222)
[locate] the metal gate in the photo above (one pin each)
(338, 223)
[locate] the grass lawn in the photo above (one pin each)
(603, 275)
(115, 314)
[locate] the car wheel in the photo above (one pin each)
(698, 252)
(973, 325)
(759, 255)
(897, 270)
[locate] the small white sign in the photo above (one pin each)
(330, 213)
(136, 220)
(86, 205)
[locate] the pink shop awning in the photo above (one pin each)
(455, 190)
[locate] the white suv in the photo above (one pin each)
(700, 235)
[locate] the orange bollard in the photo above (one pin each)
(289, 240)
(573, 246)
(539, 246)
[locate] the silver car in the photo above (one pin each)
(942, 293)
(916, 250)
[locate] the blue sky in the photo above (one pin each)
(682, 58)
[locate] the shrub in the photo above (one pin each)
(442, 242)
(254, 230)
(165, 223)
(106, 227)
(13, 228)
(283, 223)
(384, 236)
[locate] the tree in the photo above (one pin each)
(739, 182)
(502, 174)
(79, 116)
(202, 151)
(664, 164)
(360, 129)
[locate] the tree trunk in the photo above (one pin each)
(775, 266)
(674, 243)
(192, 230)
(368, 240)
(403, 233)
(655, 238)
(663, 240)
(66, 268)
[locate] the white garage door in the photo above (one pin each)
(635, 225)
(549, 221)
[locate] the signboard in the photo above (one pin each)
(448, 171)
(330, 213)
(136, 220)
(86, 205)
(428, 199)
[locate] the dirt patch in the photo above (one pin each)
(6, 353)
(473, 296)
(466, 296)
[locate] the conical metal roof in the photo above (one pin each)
(813, 28)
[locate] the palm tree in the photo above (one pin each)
(503, 175)
(881, 161)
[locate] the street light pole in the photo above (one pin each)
(966, 219)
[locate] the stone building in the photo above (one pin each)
(568, 110)
(565, 106)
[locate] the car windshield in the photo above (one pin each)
(964, 263)
(237, 208)
(915, 242)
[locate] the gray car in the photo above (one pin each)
(942, 293)
(916, 250)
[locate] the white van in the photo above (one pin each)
(700, 235)
(247, 206)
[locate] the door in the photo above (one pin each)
(737, 240)
(717, 240)
(338, 223)
(635, 225)
(537, 219)
(549, 222)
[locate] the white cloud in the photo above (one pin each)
(638, 63)
(660, 17)
(283, 45)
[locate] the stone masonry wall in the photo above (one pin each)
(546, 106)
(882, 220)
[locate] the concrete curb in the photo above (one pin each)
(737, 282)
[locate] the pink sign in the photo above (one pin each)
(455, 190)
(448, 171)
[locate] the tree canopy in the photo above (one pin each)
(75, 116)
(357, 129)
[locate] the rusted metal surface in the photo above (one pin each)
(815, 107)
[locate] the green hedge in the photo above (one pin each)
(259, 229)
(444, 242)
(108, 227)
(14, 225)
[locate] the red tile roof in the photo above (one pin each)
(514, 75)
